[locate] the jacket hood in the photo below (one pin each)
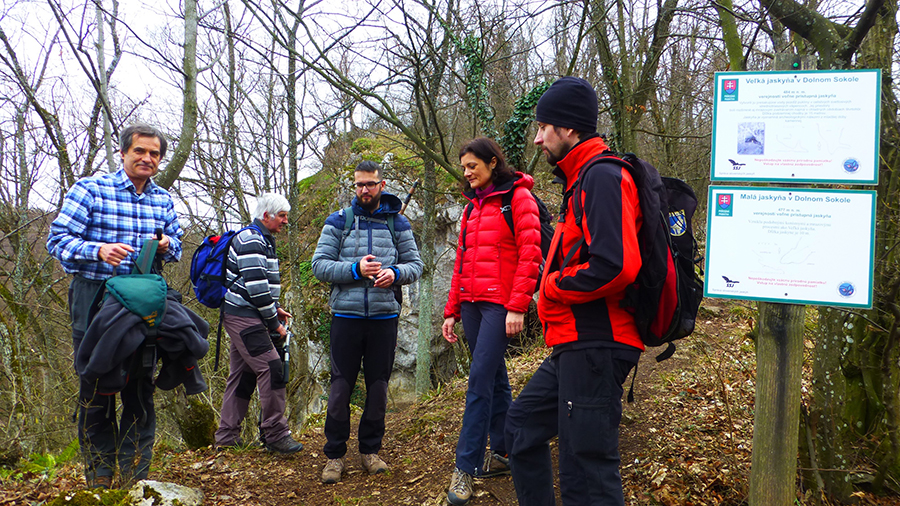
(520, 179)
(389, 204)
(569, 167)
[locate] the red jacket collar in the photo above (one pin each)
(574, 161)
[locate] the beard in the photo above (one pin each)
(554, 158)
(369, 203)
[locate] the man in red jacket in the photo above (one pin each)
(576, 393)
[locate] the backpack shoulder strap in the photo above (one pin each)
(573, 194)
(390, 225)
(144, 262)
(606, 156)
(348, 225)
(506, 208)
(468, 213)
(348, 220)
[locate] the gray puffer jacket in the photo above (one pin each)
(351, 295)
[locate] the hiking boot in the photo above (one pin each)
(333, 470)
(461, 486)
(285, 446)
(101, 482)
(495, 465)
(372, 463)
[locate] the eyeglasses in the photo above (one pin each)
(368, 184)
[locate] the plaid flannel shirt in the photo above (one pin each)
(106, 209)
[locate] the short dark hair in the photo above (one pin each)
(369, 166)
(142, 130)
(486, 149)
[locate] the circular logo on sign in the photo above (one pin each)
(851, 165)
(846, 289)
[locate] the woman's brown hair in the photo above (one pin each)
(486, 149)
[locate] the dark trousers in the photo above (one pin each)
(104, 441)
(488, 396)
(254, 364)
(576, 394)
(372, 343)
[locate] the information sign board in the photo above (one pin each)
(788, 245)
(800, 126)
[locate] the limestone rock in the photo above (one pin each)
(158, 493)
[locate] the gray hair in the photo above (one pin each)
(142, 130)
(271, 203)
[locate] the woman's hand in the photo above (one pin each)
(515, 322)
(447, 329)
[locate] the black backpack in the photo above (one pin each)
(544, 217)
(666, 295)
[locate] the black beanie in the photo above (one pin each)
(570, 102)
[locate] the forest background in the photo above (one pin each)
(289, 96)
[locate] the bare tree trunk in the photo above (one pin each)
(104, 89)
(730, 34)
(426, 283)
(828, 428)
(851, 381)
(167, 177)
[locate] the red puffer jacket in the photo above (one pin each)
(494, 265)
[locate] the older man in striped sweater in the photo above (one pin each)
(253, 319)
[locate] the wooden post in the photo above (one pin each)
(779, 359)
(779, 356)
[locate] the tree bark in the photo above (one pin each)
(779, 357)
(104, 90)
(167, 177)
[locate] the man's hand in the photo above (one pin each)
(114, 252)
(447, 329)
(515, 322)
(385, 278)
(368, 267)
(163, 245)
(281, 331)
(282, 314)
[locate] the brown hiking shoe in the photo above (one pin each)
(372, 463)
(101, 482)
(461, 488)
(495, 465)
(333, 470)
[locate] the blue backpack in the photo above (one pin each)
(208, 268)
(208, 275)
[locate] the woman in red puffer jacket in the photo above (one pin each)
(493, 282)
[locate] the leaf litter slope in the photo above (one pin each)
(685, 441)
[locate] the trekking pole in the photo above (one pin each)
(409, 196)
(286, 361)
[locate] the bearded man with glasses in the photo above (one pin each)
(366, 251)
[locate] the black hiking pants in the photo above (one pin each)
(106, 442)
(577, 395)
(356, 341)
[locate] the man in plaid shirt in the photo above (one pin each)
(103, 222)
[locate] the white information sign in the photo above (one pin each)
(802, 126)
(788, 245)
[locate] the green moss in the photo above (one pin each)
(90, 498)
(197, 424)
(362, 144)
(151, 493)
